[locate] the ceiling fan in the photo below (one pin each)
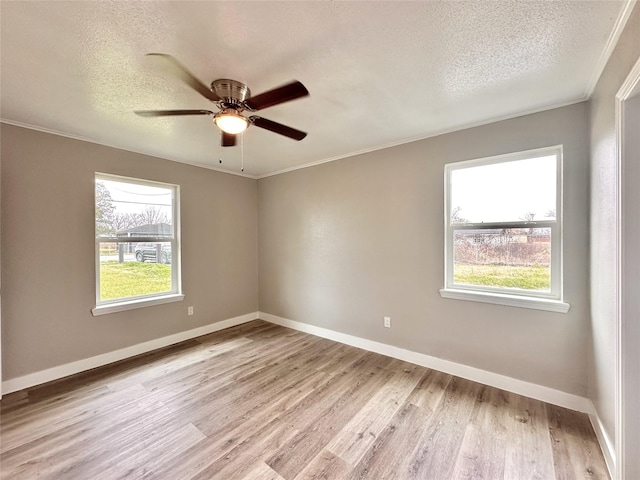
(232, 98)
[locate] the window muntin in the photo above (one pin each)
(503, 225)
(137, 244)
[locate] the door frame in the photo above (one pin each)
(628, 268)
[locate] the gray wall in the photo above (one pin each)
(603, 222)
(48, 266)
(345, 243)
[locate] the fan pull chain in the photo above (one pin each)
(242, 150)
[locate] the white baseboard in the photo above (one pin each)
(606, 445)
(61, 371)
(520, 387)
(531, 390)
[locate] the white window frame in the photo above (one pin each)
(550, 301)
(175, 295)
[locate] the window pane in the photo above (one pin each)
(129, 209)
(137, 247)
(503, 258)
(504, 192)
(134, 269)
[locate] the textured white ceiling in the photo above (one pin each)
(379, 73)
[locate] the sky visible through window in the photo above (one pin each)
(133, 198)
(505, 192)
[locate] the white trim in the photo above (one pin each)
(618, 300)
(622, 342)
(630, 83)
(61, 371)
(492, 294)
(606, 445)
(137, 303)
(610, 46)
(520, 387)
(508, 300)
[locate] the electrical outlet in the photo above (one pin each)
(387, 322)
(190, 311)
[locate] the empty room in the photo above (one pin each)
(320, 240)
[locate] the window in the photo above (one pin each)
(503, 230)
(137, 243)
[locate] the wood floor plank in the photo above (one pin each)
(210, 374)
(193, 460)
(162, 449)
(529, 451)
(218, 403)
(37, 422)
(225, 437)
(27, 437)
(430, 390)
(235, 332)
(576, 452)
(262, 472)
(238, 461)
(228, 406)
(323, 412)
(111, 431)
(239, 431)
(445, 431)
(325, 466)
(357, 436)
(483, 449)
(246, 421)
(388, 453)
(220, 382)
(340, 359)
(259, 401)
(195, 357)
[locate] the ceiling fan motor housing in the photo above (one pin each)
(232, 92)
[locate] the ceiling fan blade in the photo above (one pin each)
(278, 95)
(228, 139)
(171, 113)
(277, 128)
(177, 69)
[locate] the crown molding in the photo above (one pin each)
(610, 46)
(104, 144)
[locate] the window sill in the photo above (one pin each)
(139, 303)
(508, 300)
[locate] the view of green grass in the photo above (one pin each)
(536, 277)
(128, 279)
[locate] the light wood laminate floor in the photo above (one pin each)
(259, 401)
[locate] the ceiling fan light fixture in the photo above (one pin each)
(232, 98)
(230, 121)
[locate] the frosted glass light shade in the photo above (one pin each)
(231, 122)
